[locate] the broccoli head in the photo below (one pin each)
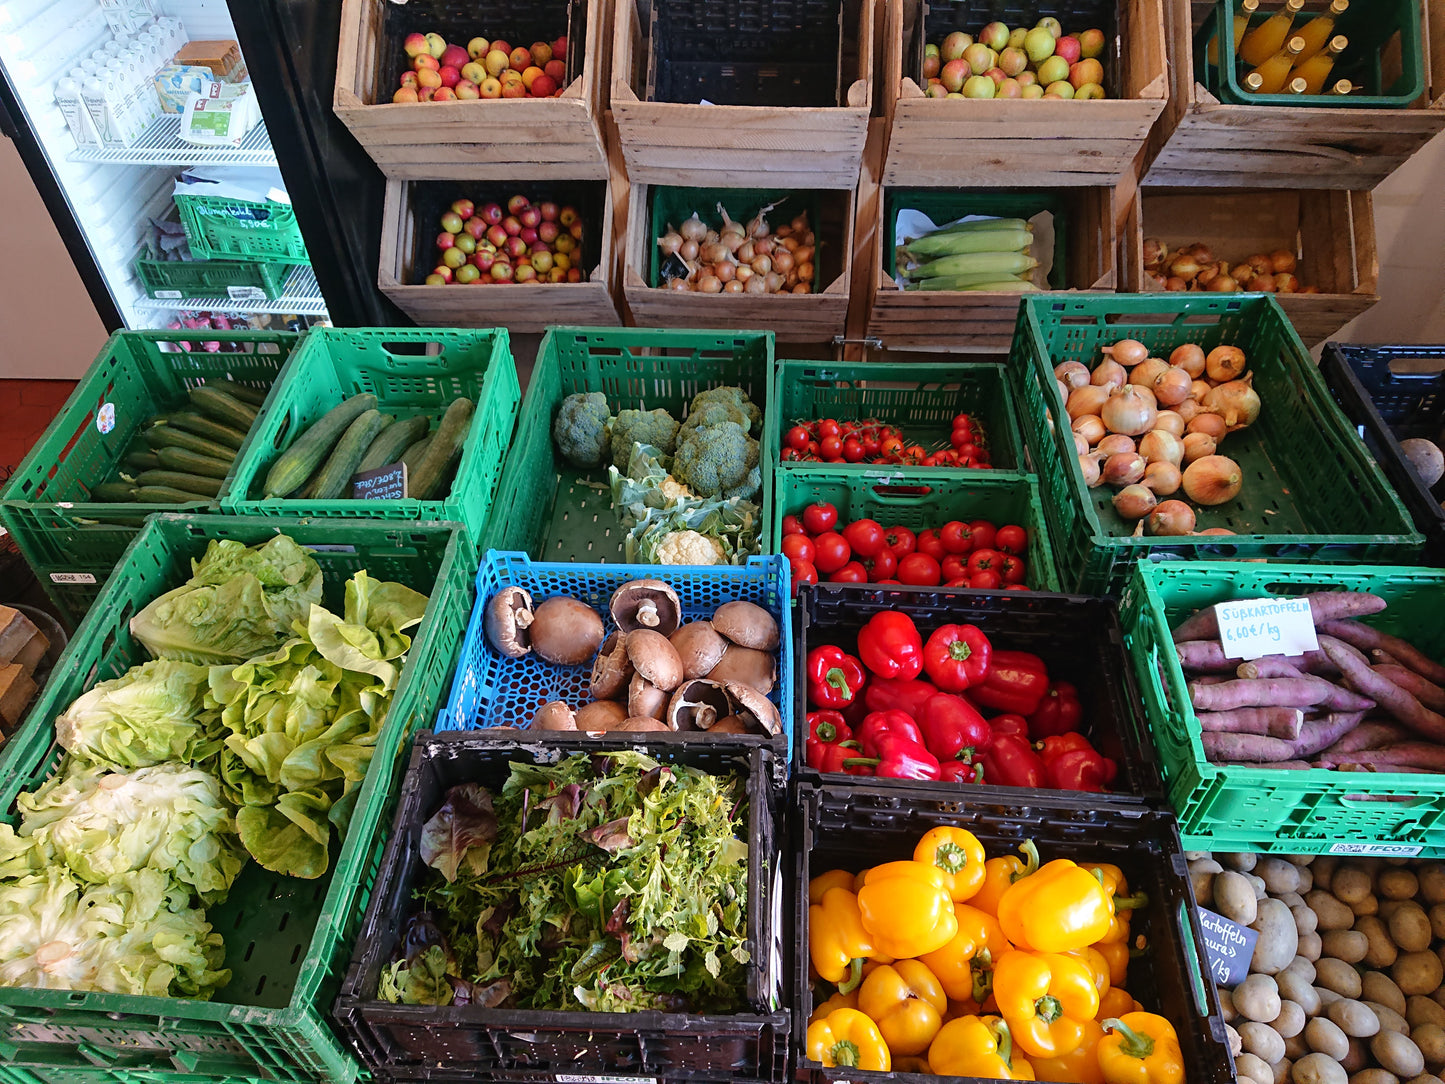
(581, 430)
(718, 461)
(655, 427)
(724, 404)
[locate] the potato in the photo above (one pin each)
(1398, 1054)
(1290, 1021)
(1294, 987)
(1319, 1069)
(1353, 1018)
(1226, 1006)
(1347, 945)
(1234, 898)
(1251, 1068)
(1323, 870)
(1327, 997)
(1305, 920)
(1351, 884)
(1431, 876)
(1236, 1044)
(1306, 879)
(1325, 1037)
(1397, 884)
(1409, 926)
(1380, 951)
(1426, 1078)
(1309, 946)
(1374, 1076)
(1417, 973)
(1289, 899)
(1430, 1038)
(1437, 920)
(1357, 1057)
(1377, 986)
(1278, 942)
(1389, 1019)
(1370, 905)
(1338, 976)
(1332, 914)
(1305, 969)
(1295, 1047)
(1201, 878)
(1262, 1041)
(1243, 861)
(1257, 998)
(1421, 1010)
(1278, 875)
(1282, 1069)
(1389, 907)
(1257, 883)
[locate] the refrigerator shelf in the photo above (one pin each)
(301, 296)
(162, 146)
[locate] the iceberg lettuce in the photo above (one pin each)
(152, 713)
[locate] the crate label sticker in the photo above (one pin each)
(1251, 628)
(169, 295)
(105, 417)
(1378, 850)
(606, 1079)
(1229, 946)
(386, 483)
(332, 549)
(71, 577)
(245, 293)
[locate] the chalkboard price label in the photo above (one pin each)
(1229, 947)
(386, 483)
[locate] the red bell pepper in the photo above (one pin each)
(838, 757)
(1012, 762)
(890, 646)
(956, 656)
(952, 729)
(834, 677)
(1081, 769)
(1058, 713)
(825, 728)
(885, 694)
(1016, 682)
(896, 756)
(1013, 724)
(956, 771)
(1058, 744)
(880, 724)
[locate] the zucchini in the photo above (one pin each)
(165, 495)
(445, 447)
(188, 462)
(112, 492)
(169, 436)
(212, 430)
(241, 392)
(189, 483)
(331, 483)
(296, 464)
(222, 407)
(141, 459)
(412, 456)
(392, 441)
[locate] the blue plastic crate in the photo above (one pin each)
(491, 690)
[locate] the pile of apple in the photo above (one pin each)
(522, 242)
(443, 72)
(1001, 63)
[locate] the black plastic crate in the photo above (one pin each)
(856, 826)
(1079, 638)
(1387, 406)
(746, 52)
(417, 1042)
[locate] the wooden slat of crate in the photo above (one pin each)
(519, 308)
(1036, 143)
(456, 140)
(810, 318)
(1201, 141)
(741, 146)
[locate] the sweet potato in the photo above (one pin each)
(1366, 637)
(1267, 667)
(1245, 747)
(1276, 765)
(1204, 657)
(1373, 734)
(1282, 723)
(1421, 688)
(1418, 755)
(1263, 692)
(1395, 700)
(1324, 606)
(1317, 735)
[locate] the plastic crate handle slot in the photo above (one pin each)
(1425, 376)
(893, 494)
(1365, 801)
(1184, 919)
(404, 352)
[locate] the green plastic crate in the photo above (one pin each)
(673, 206)
(1261, 809)
(288, 940)
(944, 205)
(410, 371)
(921, 398)
(1312, 489)
(233, 229)
(72, 542)
(554, 512)
(10, 1074)
(920, 499)
(233, 280)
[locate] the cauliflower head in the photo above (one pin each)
(690, 548)
(657, 428)
(718, 461)
(582, 429)
(723, 404)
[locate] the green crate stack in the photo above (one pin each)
(233, 229)
(1259, 809)
(229, 279)
(553, 512)
(288, 940)
(671, 207)
(411, 372)
(1311, 487)
(72, 542)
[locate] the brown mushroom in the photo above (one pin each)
(612, 669)
(646, 604)
(565, 631)
(755, 707)
(645, 698)
(700, 648)
(733, 724)
(508, 616)
(641, 724)
(755, 668)
(655, 658)
(747, 625)
(553, 715)
(600, 715)
(698, 704)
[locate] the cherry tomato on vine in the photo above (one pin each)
(790, 455)
(853, 450)
(798, 437)
(831, 447)
(828, 428)
(818, 518)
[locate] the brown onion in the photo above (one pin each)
(1197, 446)
(1285, 284)
(1081, 446)
(725, 270)
(1236, 402)
(713, 253)
(1063, 391)
(1190, 358)
(1134, 502)
(1124, 469)
(688, 250)
(1262, 284)
(1188, 410)
(670, 242)
(762, 264)
(1224, 363)
(1171, 422)
(746, 252)
(1198, 389)
(783, 261)
(1146, 372)
(709, 284)
(1131, 410)
(743, 273)
(805, 272)
(1074, 374)
(1087, 400)
(772, 282)
(756, 285)
(1216, 530)
(1171, 518)
(763, 246)
(1158, 445)
(1208, 423)
(1108, 374)
(1172, 387)
(1090, 427)
(1213, 479)
(1174, 284)
(1281, 260)
(733, 287)
(693, 229)
(1224, 284)
(1127, 352)
(1202, 252)
(1162, 478)
(1115, 443)
(1093, 470)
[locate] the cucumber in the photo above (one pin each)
(169, 436)
(112, 492)
(331, 484)
(140, 460)
(165, 495)
(298, 462)
(203, 426)
(412, 456)
(188, 462)
(222, 407)
(188, 483)
(446, 445)
(240, 392)
(392, 441)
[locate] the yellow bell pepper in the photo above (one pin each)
(833, 1004)
(837, 940)
(836, 878)
(912, 1065)
(1116, 958)
(1059, 908)
(1140, 1048)
(964, 966)
(1098, 964)
(959, 854)
(906, 909)
(859, 879)
(1116, 886)
(1080, 1067)
(1046, 998)
(978, 1046)
(999, 873)
(1116, 1001)
(906, 1002)
(850, 1039)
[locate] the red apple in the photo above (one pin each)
(450, 77)
(415, 45)
(482, 259)
(467, 91)
(528, 234)
(529, 216)
(491, 213)
(574, 274)
(998, 75)
(541, 52)
(1091, 43)
(425, 62)
(511, 225)
(516, 247)
(489, 88)
(475, 226)
(517, 204)
(954, 45)
(454, 56)
(559, 48)
(425, 93)
(576, 229)
(1086, 71)
(544, 86)
(520, 59)
(501, 272)
(408, 79)
(497, 236)
(549, 210)
(529, 75)
(406, 96)
(444, 94)
(443, 272)
(1069, 48)
(446, 240)
(547, 232)
(514, 90)
(555, 70)
(465, 208)
(500, 46)
(954, 74)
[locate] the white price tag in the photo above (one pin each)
(1377, 850)
(1254, 627)
(606, 1079)
(169, 295)
(245, 293)
(71, 577)
(324, 548)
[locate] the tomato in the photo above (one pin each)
(828, 428)
(985, 581)
(890, 445)
(901, 541)
(961, 581)
(984, 533)
(832, 552)
(831, 447)
(929, 543)
(955, 566)
(793, 525)
(963, 419)
(799, 547)
(865, 536)
(1011, 539)
(890, 583)
(915, 453)
(967, 450)
(803, 572)
(853, 450)
(930, 461)
(852, 572)
(790, 455)
(818, 518)
(797, 438)
(871, 444)
(882, 566)
(919, 569)
(1011, 569)
(982, 560)
(955, 537)
(813, 447)
(1017, 587)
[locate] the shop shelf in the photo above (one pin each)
(300, 296)
(241, 280)
(162, 145)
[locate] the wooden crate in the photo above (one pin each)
(1332, 233)
(959, 320)
(739, 145)
(941, 141)
(561, 136)
(1201, 141)
(807, 318)
(406, 240)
